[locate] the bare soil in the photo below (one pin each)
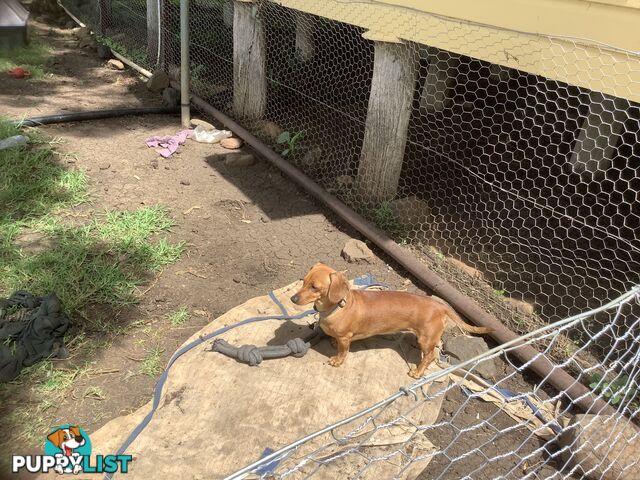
(248, 230)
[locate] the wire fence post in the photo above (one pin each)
(185, 99)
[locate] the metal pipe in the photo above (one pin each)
(579, 394)
(184, 63)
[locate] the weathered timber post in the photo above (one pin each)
(153, 31)
(387, 121)
(598, 137)
(305, 46)
(441, 80)
(104, 16)
(249, 62)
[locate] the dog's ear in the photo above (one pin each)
(338, 288)
(56, 437)
(75, 430)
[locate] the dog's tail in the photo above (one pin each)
(451, 313)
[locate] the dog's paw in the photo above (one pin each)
(414, 373)
(335, 361)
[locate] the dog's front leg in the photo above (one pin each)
(343, 348)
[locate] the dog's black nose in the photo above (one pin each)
(295, 298)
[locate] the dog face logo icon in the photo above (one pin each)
(68, 441)
(67, 449)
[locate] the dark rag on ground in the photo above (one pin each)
(31, 329)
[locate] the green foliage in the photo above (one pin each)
(384, 217)
(616, 391)
(178, 317)
(35, 57)
(291, 142)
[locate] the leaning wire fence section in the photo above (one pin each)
(453, 423)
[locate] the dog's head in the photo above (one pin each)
(322, 285)
(67, 439)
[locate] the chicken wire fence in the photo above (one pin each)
(518, 187)
(512, 185)
(453, 423)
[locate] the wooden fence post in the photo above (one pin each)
(153, 31)
(249, 62)
(387, 121)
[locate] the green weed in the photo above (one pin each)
(178, 317)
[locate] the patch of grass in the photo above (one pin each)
(151, 365)
(34, 57)
(498, 292)
(178, 317)
(384, 217)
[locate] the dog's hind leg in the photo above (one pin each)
(427, 346)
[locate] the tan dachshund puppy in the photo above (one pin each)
(349, 315)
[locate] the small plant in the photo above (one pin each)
(178, 317)
(292, 142)
(616, 391)
(386, 219)
(498, 292)
(151, 365)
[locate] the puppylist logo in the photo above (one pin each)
(67, 449)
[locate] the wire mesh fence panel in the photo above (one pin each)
(518, 188)
(457, 423)
(131, 28)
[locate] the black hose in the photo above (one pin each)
(94, 115)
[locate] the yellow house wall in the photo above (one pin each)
(594, 44)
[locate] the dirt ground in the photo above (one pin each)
(248, 230)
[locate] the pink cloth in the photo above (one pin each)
(167, 146)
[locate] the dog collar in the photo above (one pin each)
(340, 304)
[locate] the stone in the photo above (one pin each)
(345, 181)
(170, 97)
(410, 211)
(239, 160)
(158, 81)
(601, 447)
(185, 182)
(312, 157)
(31, 241)
(356, 251)
(115, 64)
(520, 305)
(272, 130)
(104, 52)
(462, 348)
(206, 125)
(231, 143)
(468, 269)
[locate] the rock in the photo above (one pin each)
(272, 130)
(410, 211)
(469, 270)
(312, 157)
(104, 52)
(185, 182)
(356, 251)
(206, 125)
(154, 163)
(170, 97)
(345, 181)
(115, 64)
(462, 348)
(31, 241)
(239, 160)
(520, 305)
(70, 24)
(158, 81)
(104, 166)
(601, 446)
(231, 143)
